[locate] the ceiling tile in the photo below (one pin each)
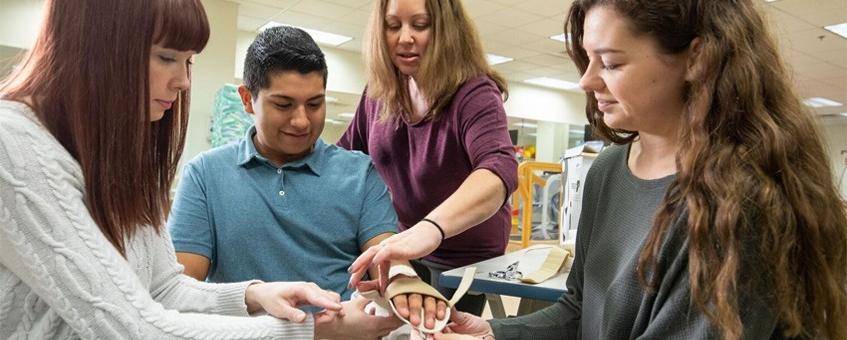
(547, 59)
(515, 66)
(513, 51)
(352, 3)
(516, 76)
(541, 72)
(544, 27)
(818, 70)
(543, 7)
(839, 81)
(278, 4)
(479, 8)
(354, 45)
(815, 41)
(356, 17)
(258, 11)
(822, 16)
(795, 57)
(511, 36)
(355, 31)
(835, 57)
(322, 9)
(546, 46)
(783, 23)
(511, 17)
(251, 24)
(301, 19)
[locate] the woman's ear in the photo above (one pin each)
(694, 65)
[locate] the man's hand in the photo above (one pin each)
(353, 323)
(280, 299)
(409, 305)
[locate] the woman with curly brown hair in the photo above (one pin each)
(715, 214)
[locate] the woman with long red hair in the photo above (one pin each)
(92, 126)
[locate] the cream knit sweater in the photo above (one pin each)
(61, 279)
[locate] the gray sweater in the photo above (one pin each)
(604, 299)
(60, 278)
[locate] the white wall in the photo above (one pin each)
(212, 69)
(551, 141)
(20, 21)
(835, 137)
(539, 103)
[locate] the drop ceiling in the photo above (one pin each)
(520, 29)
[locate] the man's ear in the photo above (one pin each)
(246, 98)
(694, 65)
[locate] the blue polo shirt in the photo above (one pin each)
(305, 221)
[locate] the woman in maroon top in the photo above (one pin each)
(432, 120)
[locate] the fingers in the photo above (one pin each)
(415, 302)
(365, 286)
(429, 312)
(360, 266)
(389, 323)
(316, 296)
(360, 302)
(287, 312)
(324, 317)
(401, 303)
(384, 267)
(441, 310)
(457, 316)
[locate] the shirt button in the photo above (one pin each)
(279, 171)
(282, 193)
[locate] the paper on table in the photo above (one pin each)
(554, 261)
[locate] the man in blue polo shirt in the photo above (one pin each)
(280, 204)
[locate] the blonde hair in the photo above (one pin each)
(454, 56)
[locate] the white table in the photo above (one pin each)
(530, 260)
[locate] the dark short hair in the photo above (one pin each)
(279, 49)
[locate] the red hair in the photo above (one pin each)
(87, 80)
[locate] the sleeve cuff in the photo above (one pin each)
(231, 298)
(192, 247)
(502, 331)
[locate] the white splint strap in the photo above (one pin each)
(406, 285)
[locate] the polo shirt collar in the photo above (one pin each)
(314, 161)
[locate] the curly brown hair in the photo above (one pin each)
(753, 179)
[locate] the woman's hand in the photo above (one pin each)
(466, 326)
(280, 299)
(354, 323)
(418, 241)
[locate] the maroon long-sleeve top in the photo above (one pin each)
(425, 162)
